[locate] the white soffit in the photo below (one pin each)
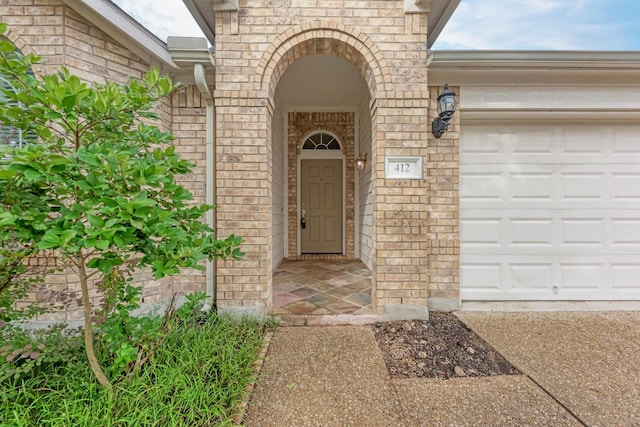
(127, 31)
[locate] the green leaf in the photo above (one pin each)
(6, 218)
(139, 224)
(55, 159)
(95, 221)
(92, 180)
(49, 241)
(67, 236)
(68, 102)
(52, 115)
(93, 263)
(102, 244)
(90, 159)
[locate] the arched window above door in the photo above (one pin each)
(321, 141)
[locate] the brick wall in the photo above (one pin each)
(59, 35)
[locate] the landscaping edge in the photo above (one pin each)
(241, 410)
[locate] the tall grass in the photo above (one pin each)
(195, 378)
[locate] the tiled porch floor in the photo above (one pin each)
(322, 287)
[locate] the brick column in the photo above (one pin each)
(244, 199)
(443, 167)
(400, 215)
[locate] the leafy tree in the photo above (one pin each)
(96, 188)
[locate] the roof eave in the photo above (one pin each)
(535, 58)
(438, 18)
(496, 68)
(124, 29)
(206, 21)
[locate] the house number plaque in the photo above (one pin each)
(403, 167)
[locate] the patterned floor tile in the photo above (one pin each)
(322, 287)
(304, 292)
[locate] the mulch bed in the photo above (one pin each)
(442, 347)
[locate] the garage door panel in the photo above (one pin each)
(483, 275)
(550, 277)
(482, 232)
(626, 232)
(624, 141)
(580, 232)
(530, 232)
(482, 185)
(550, 187)
(552, 144)
(581, 275)
(625, 275)
(550, 212)
(531, 275)
(626, 186)
(583, 142)
(581, 186)
(531, 186)
(563, 231)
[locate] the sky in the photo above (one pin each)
(476, 24)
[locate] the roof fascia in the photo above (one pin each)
(206, 21)
(496, 68)
(127, 31)
(437, 22)
(529, 59)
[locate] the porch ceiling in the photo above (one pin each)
(322, 82)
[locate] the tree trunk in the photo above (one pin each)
(88, 325)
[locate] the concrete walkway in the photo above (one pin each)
(578, 369)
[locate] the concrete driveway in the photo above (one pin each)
(589, 362)
(579, 369)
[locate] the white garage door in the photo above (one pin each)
(550, 212)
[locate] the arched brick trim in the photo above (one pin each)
(24, 48)
(318, 38)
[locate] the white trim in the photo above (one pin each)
(535, 68)
(535, 59)
(480, 116)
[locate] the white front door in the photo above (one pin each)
(321, 206)
(550, 212)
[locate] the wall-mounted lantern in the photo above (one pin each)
(361, 162)
(446, 108)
